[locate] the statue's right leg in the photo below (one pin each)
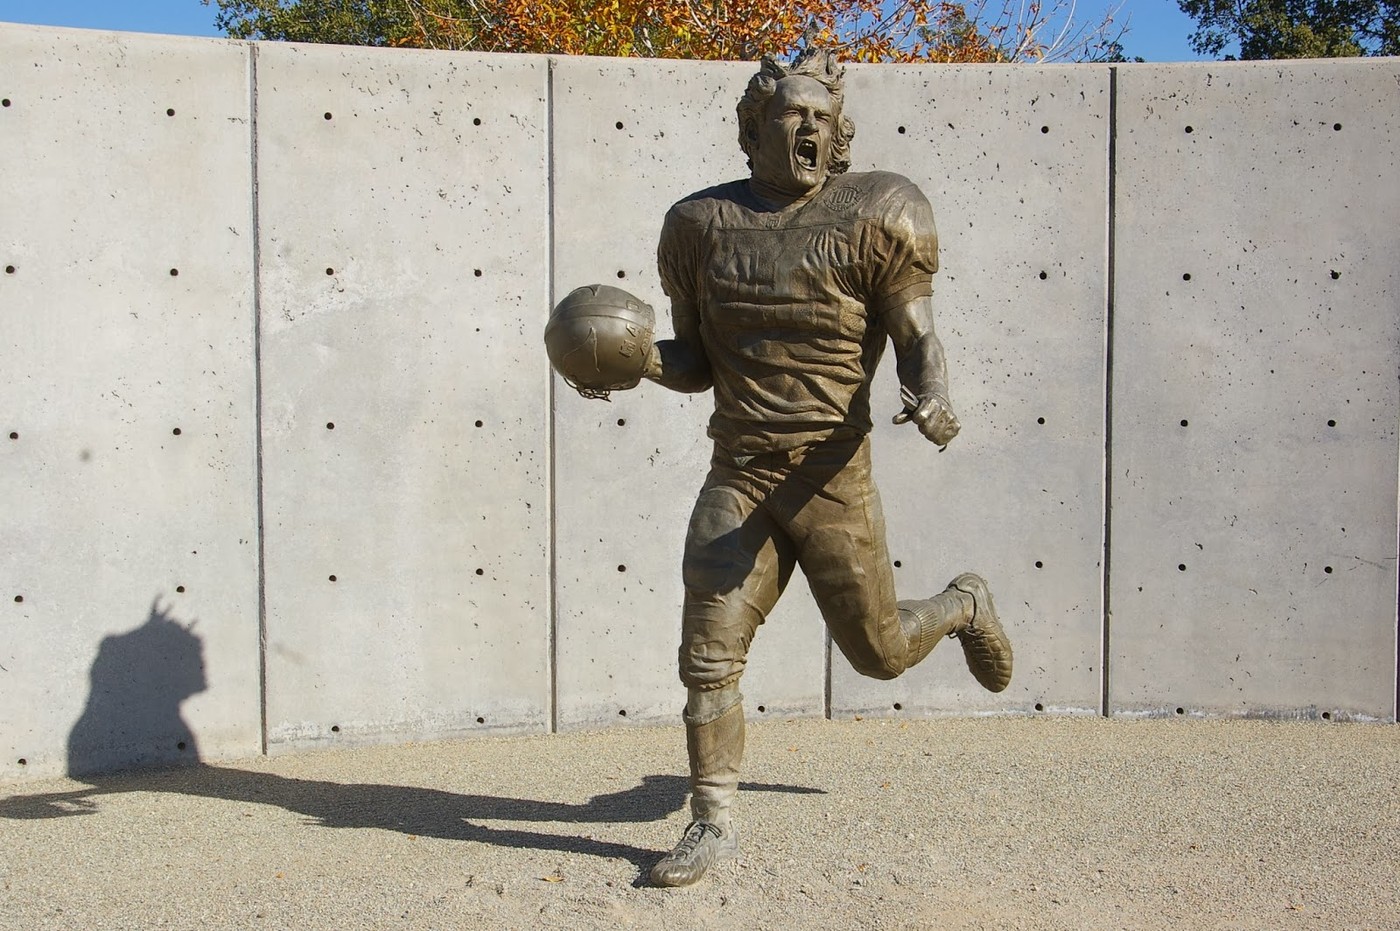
(736, 565)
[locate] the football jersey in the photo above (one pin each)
(789, 300)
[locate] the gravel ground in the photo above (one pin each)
(962, 823)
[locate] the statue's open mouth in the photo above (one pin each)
(806, 154)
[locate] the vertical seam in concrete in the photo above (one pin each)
(552, 507)
(258, 387)
(826, 690)
(1111, 269)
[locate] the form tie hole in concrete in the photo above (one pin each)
(19, 599)
(5, 102)
(14, 436)
(1336, 127)
(898, 564)
(618, 124)
(1181, 711)
(1186, 276)
(621, 568)
(1327, 569)
(480, 720)
(476, 121)
(330, 424)
(901, 130)
(1189, 130)
(481, 423)
(621, 273)
(1043, 276)
(180, 589)
(1039, 564)
(622, 421)
(174, 273)
(22, 760)
(762, 709)
(1040, 420)
(1039, 706)
(1336, 274)
(622, 712)
(335, 728)
(10, 270)
(1185, 423)
(331, 578)
(898, 706)
(330, 271)
(170, 111)
(1331, 423)
(1045, 129)
(175, 432)
(328, 114)
(481, 572)
(1181, 567)
(1326, 715)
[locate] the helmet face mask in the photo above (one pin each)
(598, 339)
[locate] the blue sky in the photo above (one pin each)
(1158, 31)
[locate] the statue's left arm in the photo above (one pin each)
(901, 290)
(922, 369)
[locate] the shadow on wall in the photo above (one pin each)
(138, 682)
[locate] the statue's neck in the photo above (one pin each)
(776, 198)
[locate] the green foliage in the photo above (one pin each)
(1295, 28)
(338, 22)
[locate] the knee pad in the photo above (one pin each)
(705, 705)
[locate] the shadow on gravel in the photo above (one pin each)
(405, 809)
(132, 718)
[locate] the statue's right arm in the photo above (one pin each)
(680, 364)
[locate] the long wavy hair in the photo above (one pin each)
(821, 66)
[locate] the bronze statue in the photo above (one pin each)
(783, 289)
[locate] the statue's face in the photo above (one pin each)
(792, 144)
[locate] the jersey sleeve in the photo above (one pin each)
(905, 246)
(676, 259)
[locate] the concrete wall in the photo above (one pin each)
(382, 518)
(1256, 312)
(128, 492)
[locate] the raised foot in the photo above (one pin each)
(984, 642)
(701, 847)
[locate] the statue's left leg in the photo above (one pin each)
(840, 537)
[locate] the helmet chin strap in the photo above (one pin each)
(593, 394)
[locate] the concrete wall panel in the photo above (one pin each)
(630, 139)
(403, 211)
(1256, 344)
(128, 621)
(1015, 162)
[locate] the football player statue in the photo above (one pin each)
(784, 288)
